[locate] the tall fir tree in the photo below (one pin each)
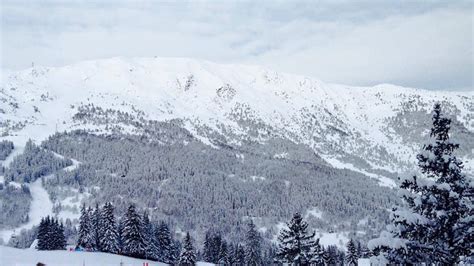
(164, 243)
(109, 238)
(253, 245)
(51, 235)
(436, 226)
(151, 249)
(86, 234)
(175, 251)
(207, 253)
(317, 254)
(188, 256)
(43, 234)
(96, 221)
(132, 234)
(352, 254)
(223, 258)
(295, 243)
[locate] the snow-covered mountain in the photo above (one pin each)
(373, 130)
(206, 145)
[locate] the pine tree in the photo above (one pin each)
(187, 257)
(436, 226)
(120, 235)
(109, 238)
(223, 255)
(240, 256)
(133, 242)
(253, 249)
(295, 243)
(351, 256)
(175, 251)
(317, 254)
(330, 256)
(96, 221)
(43, 238)
(151, 249)
(231, 254)
(86, 239)
(164, 243)
(51, 235)
(207, 250)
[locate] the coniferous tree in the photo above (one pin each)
(436, 226)
(175, 251)
(317, 254)
(187, 257)
(231, 253)
(207, 250)
(151, 249)
(43, 237)
(352, 254)
(164, 243)
(223, 254)
(110, 237)
(96, 221)
(253, 245)
(51, 235)
(132, 234)
(331, 255)
(86, 239)
(295, 243)
(120, 235)
(240, 256)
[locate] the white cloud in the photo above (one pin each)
(361, 44)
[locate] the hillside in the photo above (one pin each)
(203, 144)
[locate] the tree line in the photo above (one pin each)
(136, 236)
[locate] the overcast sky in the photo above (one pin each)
(424, 44)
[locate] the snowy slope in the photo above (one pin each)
(344, 124)
(27, 257)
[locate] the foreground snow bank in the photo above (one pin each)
(20, 257)
(28, 257)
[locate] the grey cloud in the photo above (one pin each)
(419, 44)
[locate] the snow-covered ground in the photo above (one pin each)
(29, 257)
(382, 180)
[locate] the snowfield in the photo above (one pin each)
(29, 257)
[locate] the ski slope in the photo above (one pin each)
(41, 205)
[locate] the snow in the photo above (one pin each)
(282, 155)
(314, 212)
(156, 87)
(363, 262)
(41, 206)
(337, 239)
(27, 257)
(386, 239)
(383, 181)
(255, 178)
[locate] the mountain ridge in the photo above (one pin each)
(224, 98)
